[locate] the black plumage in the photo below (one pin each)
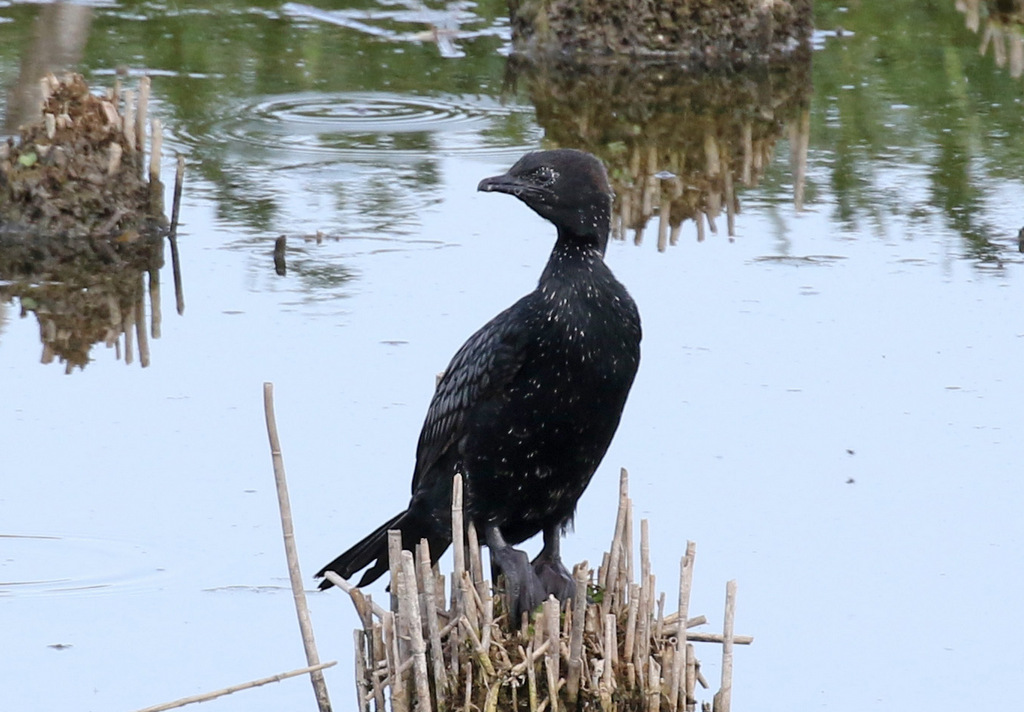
(528, 406)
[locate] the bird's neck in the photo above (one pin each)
(587, 226)
(571, 255)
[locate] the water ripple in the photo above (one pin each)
(361, 125)
(58, 565)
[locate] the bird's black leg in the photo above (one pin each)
(549, 568)
(524, 590)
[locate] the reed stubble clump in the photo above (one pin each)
(613, 647)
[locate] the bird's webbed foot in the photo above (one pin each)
(549, 569)
(554, 578)
(523, 589)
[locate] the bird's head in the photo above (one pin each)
(568, 187)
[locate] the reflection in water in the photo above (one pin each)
(445, 27)
(36, 565)
(319, 278)
(85, 306)
(1004, 30)
(359, 125)
(676, 143)
(930, 137)
(376, 155)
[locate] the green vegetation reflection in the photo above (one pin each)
(909, 120)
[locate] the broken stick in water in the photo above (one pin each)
(294, 574)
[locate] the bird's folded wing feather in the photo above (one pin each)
(478, 373)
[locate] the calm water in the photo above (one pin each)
(829, 400)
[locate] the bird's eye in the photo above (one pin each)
(545, 175)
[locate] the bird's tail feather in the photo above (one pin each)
(374, 548)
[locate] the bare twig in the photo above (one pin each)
(363, 694)
(349, 588)
(140, 114)
(172, 234)
(719, 638)
(723, 698)
(691, 677)
(305, 626)
(476, 565)
(579, 612)
(551, 659)
(429, 606)
(129, 120)
(156, 148)
(531, 677)
(236, 688)
(611, 597)
(678, 676)
(179, 179)
(458, 543)
(417, 644)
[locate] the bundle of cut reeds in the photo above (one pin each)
(613, 648)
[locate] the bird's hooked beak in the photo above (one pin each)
(501, 184)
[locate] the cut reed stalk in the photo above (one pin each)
(622, 650)
(295, 576)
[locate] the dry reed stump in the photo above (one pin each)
(614, 647)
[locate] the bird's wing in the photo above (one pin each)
(478, 372)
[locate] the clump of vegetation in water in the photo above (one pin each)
(77, 173)
(700, 33)
(81, 221)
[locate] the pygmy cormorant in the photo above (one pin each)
(528, 406)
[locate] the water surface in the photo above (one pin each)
(828, 402)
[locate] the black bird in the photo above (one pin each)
(528, 406)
